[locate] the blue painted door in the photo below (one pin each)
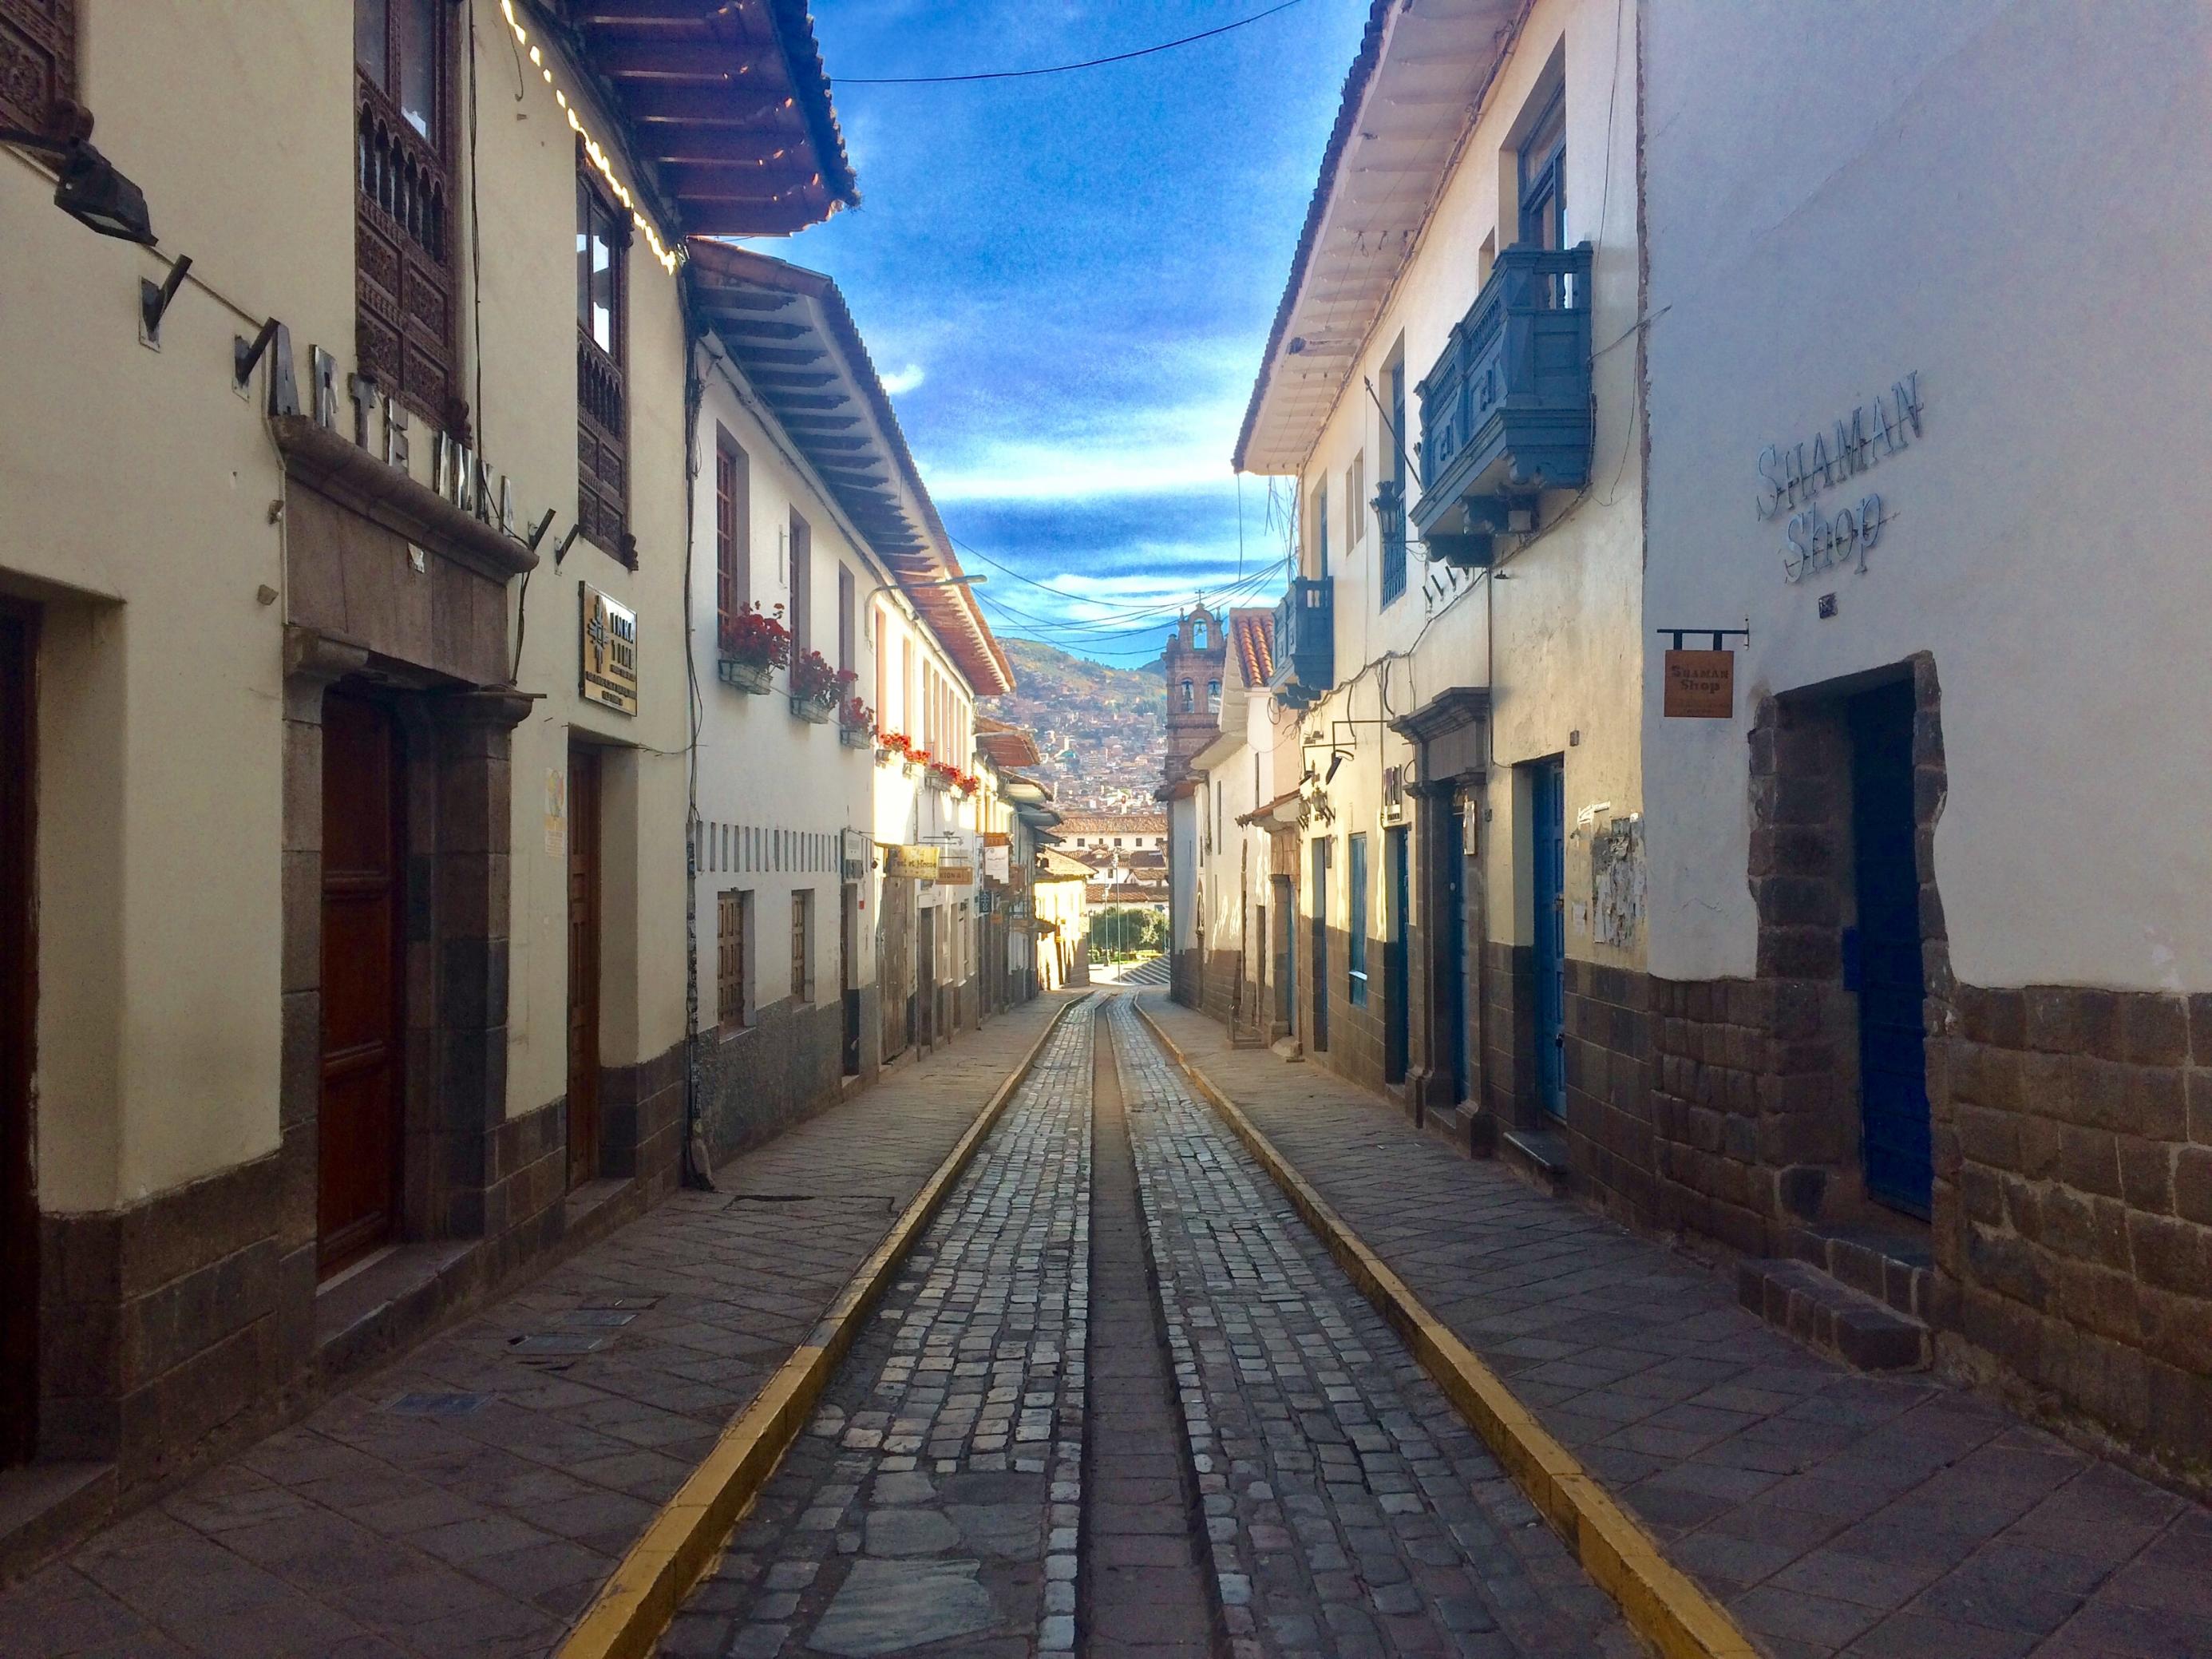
(1320, 1031)
(1399, 993)
(1548, 848)
(1454, 855)
(1882, 963)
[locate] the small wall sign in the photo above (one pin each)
(1700, 685)
(955, 874)
(610, 651)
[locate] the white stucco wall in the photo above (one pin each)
(2006, 198)
(1559, 639)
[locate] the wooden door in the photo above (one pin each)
(19, 1218)
(849, 988)
(583, 964)
(358, 1126)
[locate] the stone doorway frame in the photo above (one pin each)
(457, 776)
(1801, 884)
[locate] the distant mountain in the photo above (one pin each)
(1102, 730)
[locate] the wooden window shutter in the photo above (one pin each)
(729, 934)
(406, 301)
(38, 63)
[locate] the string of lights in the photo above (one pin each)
(668, 255)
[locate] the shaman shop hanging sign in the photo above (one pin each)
(1791, 476)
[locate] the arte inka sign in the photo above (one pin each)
(609, 651)
(1700, 685)
(1791, 475)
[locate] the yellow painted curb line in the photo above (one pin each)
(1661, 1602)
(635, 1604)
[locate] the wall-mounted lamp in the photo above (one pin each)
(1337, 757)
(567, 541)
(1390, 511)
(545, 524)
(90, 190)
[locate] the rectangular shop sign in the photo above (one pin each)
(997, 838)
(956, 872)
(1700, 685)
(915, 863)
(609, 651)
(996, 861)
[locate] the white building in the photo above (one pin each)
(823, 948)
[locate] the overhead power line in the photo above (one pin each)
(1059, 69)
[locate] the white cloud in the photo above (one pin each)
(903, 380)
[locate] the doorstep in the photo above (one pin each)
(1538, 1154)
(1829, 1315)
(1467, 1132)
(369, 1312)
(44, 1505)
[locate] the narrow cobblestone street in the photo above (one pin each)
(938, 1504)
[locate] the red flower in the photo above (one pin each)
(757, 637)
(812, 677)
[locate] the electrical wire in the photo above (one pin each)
(1061, 69)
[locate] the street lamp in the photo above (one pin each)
(90, 190)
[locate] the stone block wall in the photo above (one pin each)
(2076, 1259)
(786, 1065)
(1508, 1030)
(1608, 1099)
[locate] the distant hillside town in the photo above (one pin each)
(1101, 729)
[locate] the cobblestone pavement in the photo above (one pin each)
(470, 1499)
(1349, 1511)
(1884, 1517)
(934, 1503)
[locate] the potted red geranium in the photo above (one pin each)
(751, 645)
(856, 722)
(815, 688)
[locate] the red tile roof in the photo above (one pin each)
(1252, 634)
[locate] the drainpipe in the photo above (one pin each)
(698, 1172)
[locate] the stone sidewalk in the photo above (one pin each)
(1834, 1513)
(470, 1497)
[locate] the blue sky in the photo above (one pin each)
(1066, 281)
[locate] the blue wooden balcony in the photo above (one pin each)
(1506, 410)
(1305, 642)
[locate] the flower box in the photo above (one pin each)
(856, 736)
(814, 710)
(745, 676)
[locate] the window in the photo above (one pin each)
(1355, 500)
(845, 619)
(602, 403)
(906, 689)
(1189, 697)
(1320, 531)
(1356, 879)
(802, 585)
(41, 54)
(881, 691)
(733, 945)
(733, 530)
(1213, 696)
(802, 945)
(1197, 635)
(404, 305)
(1393, 481)
(1543, 182)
